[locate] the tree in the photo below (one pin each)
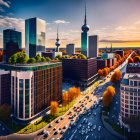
(118, 57)
(81, 56)
(48, 59)
(65, 56)
(54, 107)
(74, 57)
(136, 59)
(108, 96)
(65, 99)
(38, 58)
(31, 60)
(130, 60)
(19, 57)
(117, 75)
(58, 57)
(100, 72)
(5, 112)
(43, 59)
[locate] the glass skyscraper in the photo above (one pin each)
(11, 35)
(34, 36)
(84, 37)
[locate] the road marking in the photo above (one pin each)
(73, 135)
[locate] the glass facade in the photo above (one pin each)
(34, 36)
(84, 47)
(11, 35)
(20, 98)
(26, 98)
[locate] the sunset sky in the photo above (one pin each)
(115, 21)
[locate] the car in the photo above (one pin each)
(94, 127)
(85, 108)
(59, 128)
(62, 132)
(99, 128)
(58, 121)
(46, 135)
(50, 125)
(95, 114)
(61, 118)
(79, 101)
(65, 127)
(56, 132)
(70, 117)
(54, 128)
(85, 103)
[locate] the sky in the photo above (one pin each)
(115, 21)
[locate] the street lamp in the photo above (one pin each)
(12, 120)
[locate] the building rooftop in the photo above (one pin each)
(133, 65)
(128, 76)
(29, 67)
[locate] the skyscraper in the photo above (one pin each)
(93, 45)
(70, 49)
(10, 36)
(84, 37)
(57, 42)
(34, 36)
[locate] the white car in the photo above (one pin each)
(99, 128)
(94, 127)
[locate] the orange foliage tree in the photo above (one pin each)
(108, 96)
(136, 59)
(117, 75)
(118, 56)
(71, 95)
(130, 60)
(54, 107)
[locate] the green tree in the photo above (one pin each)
(19, 57)
(58, 56)
(38, 58)
(31, 60)
(81, 56)
(48, 59)
(43, 59)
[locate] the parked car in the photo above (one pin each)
(99, 128)
(50, 125)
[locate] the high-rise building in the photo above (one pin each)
(57, 42)
(84, 37)
(34, 36)
(10, 37)
(32, 87)
(70, 49)
(93, 42)
(130, 97)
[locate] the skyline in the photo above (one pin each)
(110, 26)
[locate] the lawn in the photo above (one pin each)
(42, 122)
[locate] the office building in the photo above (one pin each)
(33, 87)
(5, 91)
(11, 43)
(101, 63)
(130, 97)
(82, 72)
(107, 56)
(93, 43)
(120, 52)
(70, 49)
(133, 68)
(84, 37)
(34, 36)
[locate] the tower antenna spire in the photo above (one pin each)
(85, 14)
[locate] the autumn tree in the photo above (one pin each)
(117, 75)
(54, 107)
(130, 60)
(136, 59)
(100, 72)
(5, 112)
(118, 57)
(108, 96)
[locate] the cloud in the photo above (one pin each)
(10, 14)
(7, 22)
(118, 41)
(61, 21)
(7, 4)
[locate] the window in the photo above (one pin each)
(126, 101)
(126, 106)
(135, 112)
(135, 98)
(135, 107)
(131, 93)
(126, 88)
(131, 107)
(138, 103)
(126, 110)
(131, 83)
(131, 111)
(131, 97)
(126, 97)
(135, 83)
(131, 102)
(135, 103)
